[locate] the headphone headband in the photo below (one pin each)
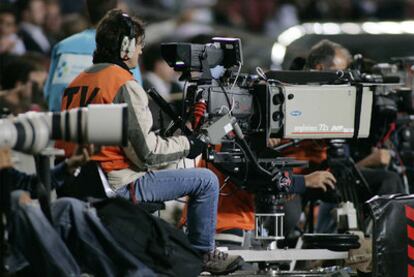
(129, 40)
(131, 27)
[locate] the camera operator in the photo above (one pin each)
(44, 249)
(138, 172)
(328, 56)
(74, 54)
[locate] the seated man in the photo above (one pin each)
(77, 242)
(326, 56)
(137, 172)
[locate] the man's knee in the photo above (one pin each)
(68, 205)
(209, 179)
(393, 182)
(19, 198)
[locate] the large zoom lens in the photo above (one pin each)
(96, 124)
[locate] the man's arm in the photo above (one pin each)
(15, 179)
(145, 146)
(316, 180)
(378, 158)
(21, 181)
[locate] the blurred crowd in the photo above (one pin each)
(30, 28)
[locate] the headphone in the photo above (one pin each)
(128, 44)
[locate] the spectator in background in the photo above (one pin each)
(38, 77)
(10, 43)
(32, 18)
(72, 6)
(74, 54)
(17, 84)
(285, 16)
(251, 15)
(73, 24)
(159, 75)
(53, 22)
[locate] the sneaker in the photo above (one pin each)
(218, 262)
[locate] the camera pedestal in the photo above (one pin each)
(269, 219)
(279, 255)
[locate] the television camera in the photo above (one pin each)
(392, 117)
(246, 110)
(241, 112)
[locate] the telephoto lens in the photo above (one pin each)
(28, 132)
(97, 124)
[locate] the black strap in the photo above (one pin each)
(358, 106)
(67, 126)
(132, 192)
(79, 127)
(56, 129)
(44, 184)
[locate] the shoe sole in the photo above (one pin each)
(231, 268)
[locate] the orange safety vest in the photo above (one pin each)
(235, 206)
(97, 86)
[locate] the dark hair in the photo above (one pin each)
(324, 53)
(23, 5)
(152, 55)
(98, 8)
(109, 34)
(8, 9)
(17, 69)
(298, 63)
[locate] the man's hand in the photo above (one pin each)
(320, 180)
(273, 142)
(378, 158)
(82, 156)
(6, 45)
(5, 158)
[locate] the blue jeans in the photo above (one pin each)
(200, 184)
(91, 243)
(35, 242)
(326, 222)
(77, 242)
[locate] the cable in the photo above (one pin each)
(237, 76)
(183, 102)
(226, 95)
(245, 161)
(261, 73)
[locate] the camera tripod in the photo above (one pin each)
(349, 178)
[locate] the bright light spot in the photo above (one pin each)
(317, 28)
(308, 27)
(278, 53)
(388, 27)
(291, 34)
(371, 28)
(407, 27)
(351, 28)
(331, 28)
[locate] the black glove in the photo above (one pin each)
(196, 146)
